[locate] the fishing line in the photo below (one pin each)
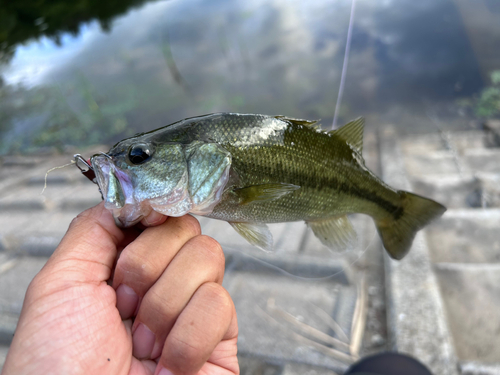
(286, 273)
(53, 169)
(344, 66)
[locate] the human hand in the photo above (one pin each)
(168, 277)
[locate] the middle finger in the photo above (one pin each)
(201, 260)
(143, 261)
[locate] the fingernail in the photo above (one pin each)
(164, 371)
(156, 350)
(126, 301)
(154, 218)
(143, 341)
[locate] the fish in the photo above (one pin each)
(251, 170)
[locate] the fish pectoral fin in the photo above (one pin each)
(335, 233)
(264, 192)
(352, 133)
(258, 234)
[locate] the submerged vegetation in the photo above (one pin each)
(487, 104)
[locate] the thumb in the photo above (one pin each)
(88, 250)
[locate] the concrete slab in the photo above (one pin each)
(4, 349)
(453, 191)
(299, 369)
(416, 317)
(465, 236)
(483, 159)
(434, 162)
(33, 232)
(280, 314)
(250, 365)
(478, 368)
(459, 141)
(472, 309)
(15, 280)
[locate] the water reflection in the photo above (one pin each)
(164, 61)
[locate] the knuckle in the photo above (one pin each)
(77, 221)
(211, 248)
(183, 354)
(190, 224)
(217, 295)
(135, 268)
(84, 215)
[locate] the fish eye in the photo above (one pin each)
(140, 153)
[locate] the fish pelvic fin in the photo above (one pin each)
(352, 133)
(264, 192)
(335, 233)
(258, 234)
(399, 229)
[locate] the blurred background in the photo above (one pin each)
(79, 76)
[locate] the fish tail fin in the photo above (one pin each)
(399, 229)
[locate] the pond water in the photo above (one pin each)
(88, 73)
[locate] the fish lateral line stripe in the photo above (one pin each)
(331, 182)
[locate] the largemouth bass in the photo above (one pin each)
(253, 169)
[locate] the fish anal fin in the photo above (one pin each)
(264, 192)
(352, 133)
(312, 124)
(258, 234)
(335, 233)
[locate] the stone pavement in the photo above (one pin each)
(444, 298)
(303, 309)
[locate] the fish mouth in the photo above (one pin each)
(118, 194)
(117, 191)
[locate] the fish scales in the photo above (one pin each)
(255, 169)
(325, 167)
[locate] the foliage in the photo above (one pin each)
(23, 20)
(487, 105)
(57, 116)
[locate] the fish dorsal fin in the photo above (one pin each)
(314, 124)
(352, 133)
(264, 192)
(258, 234)
(335, 233)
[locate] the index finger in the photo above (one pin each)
(89, 248)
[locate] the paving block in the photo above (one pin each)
(33, 232)
(434, 162)
(478, 368)
(249, 365)
(283, 317)
(492, 130)
(472, 309)
(465, 236)
(452, 191)
(416, 317)
(4, 349)
(15, 280)
(421, 145)
(483, 159)
(8, 324)
(300, 369)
